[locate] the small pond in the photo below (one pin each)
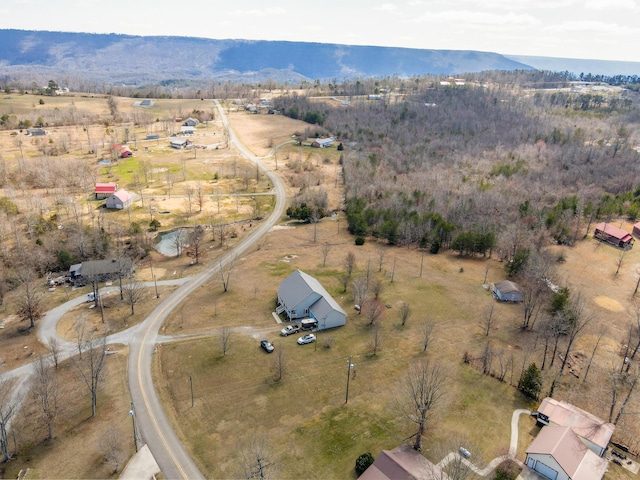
(167, 243)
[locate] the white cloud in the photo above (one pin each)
(468, 17)
(610, 4)
(386, 7)
(589, 26)
(259, 12)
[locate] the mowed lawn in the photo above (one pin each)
(312, 433)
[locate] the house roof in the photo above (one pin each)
(123, 195)
(567, 449)
(178, 141)
(507, 286)
(583, 423)
(298, 286)
(109, 187)
(402, 463)
(615, 232)
(105, 267)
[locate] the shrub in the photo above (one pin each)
(359, 240)
(507, 470)
(363, 462)
(154, 225)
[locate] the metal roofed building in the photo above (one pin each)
(302, 296)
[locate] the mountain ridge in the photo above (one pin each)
(121, 58)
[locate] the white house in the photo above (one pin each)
(301, 296)
(186, 130)
(119, 200)
(178, 142)
(322, 142)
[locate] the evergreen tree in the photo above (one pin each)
(530, 382)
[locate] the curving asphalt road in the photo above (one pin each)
(154, 427)
(151, 420)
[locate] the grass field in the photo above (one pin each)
(312, 433)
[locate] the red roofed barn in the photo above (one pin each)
(613, 235)
(103, 190)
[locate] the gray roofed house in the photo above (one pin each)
(508, 291)
(301, 296)
(103, 270)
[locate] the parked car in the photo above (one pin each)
(289, 329)
(308, 338)
(464, 452)
(267, 345)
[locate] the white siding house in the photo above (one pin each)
(558, 453)
(301, 296)
(119, 200)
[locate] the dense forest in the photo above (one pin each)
(485, 165)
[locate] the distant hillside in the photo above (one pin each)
(136, 60)
(578, 66)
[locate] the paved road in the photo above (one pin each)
(152, 421)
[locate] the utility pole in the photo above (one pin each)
(191, 384)
(133, 420)
(349, 367)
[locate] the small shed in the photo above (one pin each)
(191, 122)
(508, 291)
(104, 190)
(34, 132)
(121, 151)
(119, 200)
(187, 130)
(636, 229)
(178, 142)
(613, 235)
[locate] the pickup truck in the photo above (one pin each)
(289, 329)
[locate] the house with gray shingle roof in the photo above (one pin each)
(302, 296)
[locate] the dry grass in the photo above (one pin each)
(75, 451)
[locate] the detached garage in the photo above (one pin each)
(507, 291)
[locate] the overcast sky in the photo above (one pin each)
(593, 29)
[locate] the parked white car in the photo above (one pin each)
(308, 338)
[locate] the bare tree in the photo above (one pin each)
(225, 274)
(314, 218)
(373, 310)
(350, 263)
(178, 241)
(91, 366)
(488, 318)
(344, 281)
(487, 358)
(110, 443)
(426, 331)
(376, 287)
(405, 313)
(225, 340)
(133, 293)
(30, 300)
(382, 251)
(195, 240)
(375, 340)
(9, 405)
(279, 363)
(620, 262)
(602, 331)
(425, 387)
(256, 459)
(325, 253)
(631, 382)
(189, 193)
(360, 287)
(54, 350)
(80, 329)
(576, 320)
(45, 392)
(200, 196)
